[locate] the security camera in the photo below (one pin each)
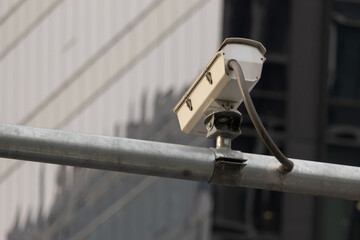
(210, 104)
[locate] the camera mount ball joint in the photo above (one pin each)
(224, 126)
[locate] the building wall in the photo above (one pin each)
(94, 67)
(308, 99)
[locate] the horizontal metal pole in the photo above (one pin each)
(177, 161)
(107, 153)
(307, 177)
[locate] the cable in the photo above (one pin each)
(287, 165)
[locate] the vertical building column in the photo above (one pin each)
(304, 76)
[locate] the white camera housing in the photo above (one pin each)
(216, 88)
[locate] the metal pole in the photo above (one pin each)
(307, 177)
(218, 166)
(107, 153)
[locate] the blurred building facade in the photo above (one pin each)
(309, 100)
(118, 67)
(102, 67)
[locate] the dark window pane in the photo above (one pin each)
(344, 115)
(273, 78)
(237, 18)
(276, 28)
(350, 10)
(347, 81)
(344, 155)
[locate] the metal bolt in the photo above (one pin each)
(189, 104)
(208, 77)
